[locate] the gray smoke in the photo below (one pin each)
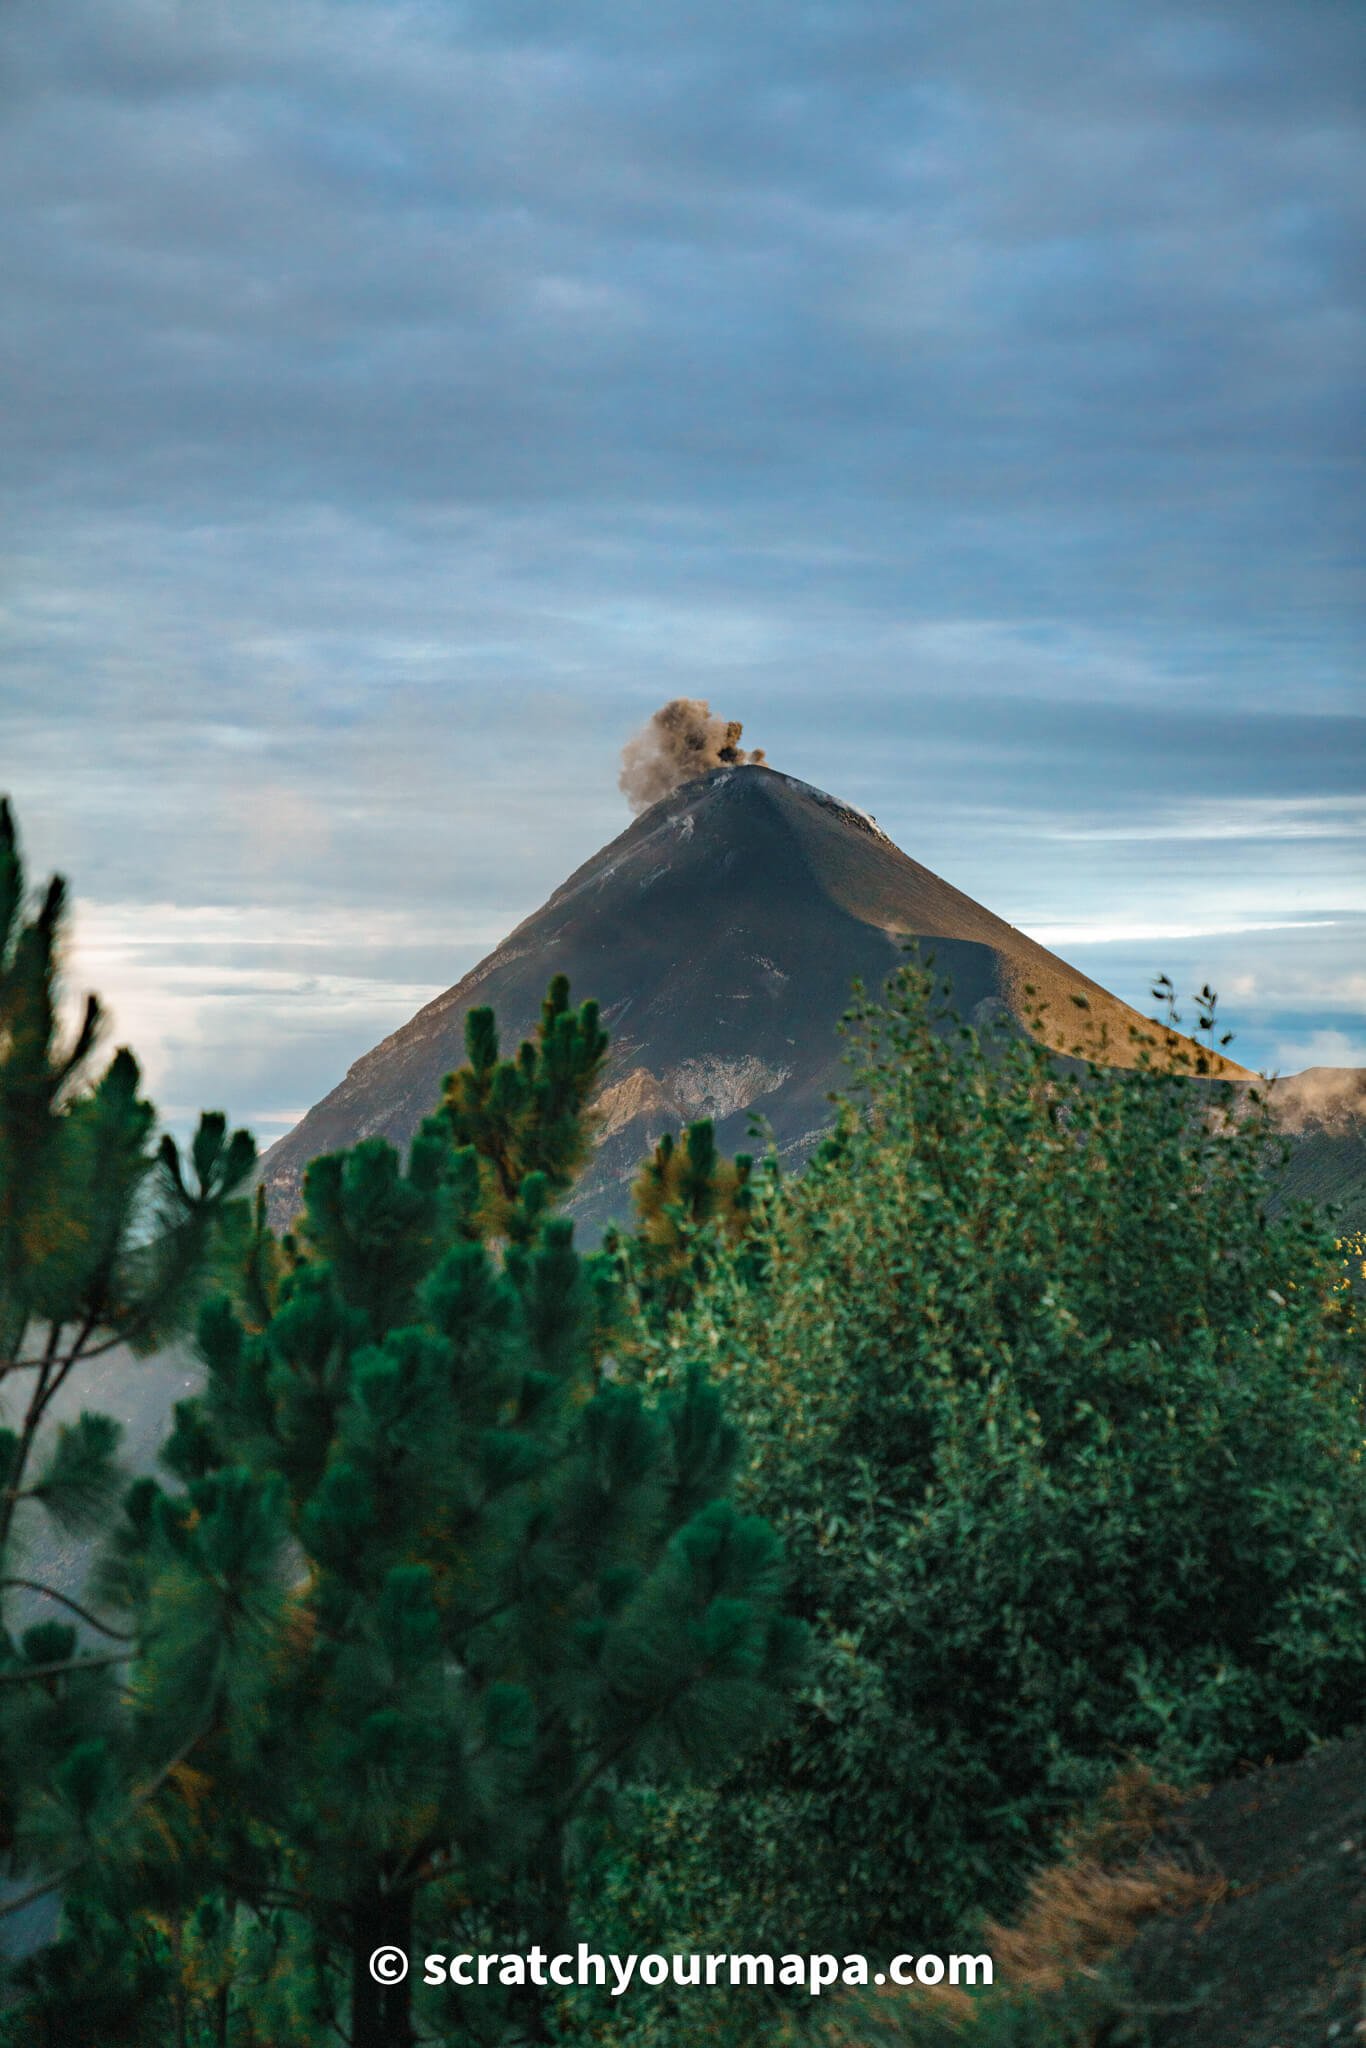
(681, 741)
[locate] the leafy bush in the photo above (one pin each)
(1064, 1434)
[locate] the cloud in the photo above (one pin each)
(403, 400)
(235, 1007)
(1109, 934)
(1241, 818)
(1321, 1049)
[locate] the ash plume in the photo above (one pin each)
(681, 742)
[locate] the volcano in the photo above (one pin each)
(720, 934)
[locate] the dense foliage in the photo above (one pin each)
(1063, 1431)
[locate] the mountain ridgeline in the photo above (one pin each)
(720, 934)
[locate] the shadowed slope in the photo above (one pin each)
(720, 933)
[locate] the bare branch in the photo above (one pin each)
(118, 1635)
(64, 1666)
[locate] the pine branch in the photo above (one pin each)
(10, 1497)
(627, 1740)
(25, 1672)
(140, 1798)
(118, 1635)
(40, 1891)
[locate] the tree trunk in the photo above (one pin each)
(381, 2014)
(551, 1931)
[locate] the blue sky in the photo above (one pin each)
(403, 399)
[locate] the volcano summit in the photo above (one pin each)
(720, 934)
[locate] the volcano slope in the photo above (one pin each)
(720, 934)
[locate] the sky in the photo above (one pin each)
(401, 400)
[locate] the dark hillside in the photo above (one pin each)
(1281, 1961)
(720, 933)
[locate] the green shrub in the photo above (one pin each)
(1064, 1436)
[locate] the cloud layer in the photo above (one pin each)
(403, 399)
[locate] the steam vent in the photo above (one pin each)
(720, 933)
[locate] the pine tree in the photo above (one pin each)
(434, 1585)
(526, 1120)
(105, 1239)
(690, 1202)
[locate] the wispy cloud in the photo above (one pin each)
(402, 400)
(1100, 932)
(1248, 818)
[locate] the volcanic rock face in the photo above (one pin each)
(720, 934)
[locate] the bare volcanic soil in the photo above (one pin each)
(1281, 1961)
(720, 934)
